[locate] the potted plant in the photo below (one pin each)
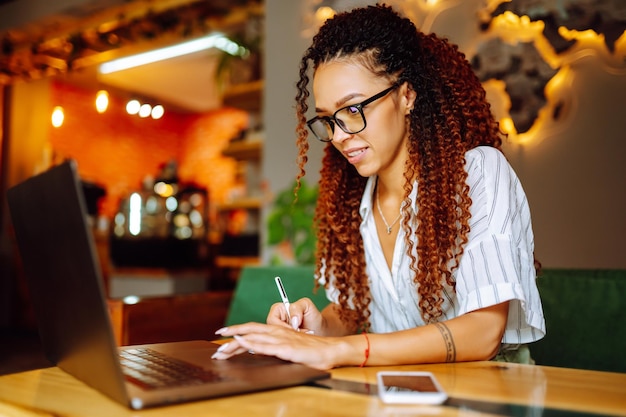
(290, 226)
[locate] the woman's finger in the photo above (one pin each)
(228, 350)
(242, 329)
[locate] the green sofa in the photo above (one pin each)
(585, 311)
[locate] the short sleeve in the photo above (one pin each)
(498, 262)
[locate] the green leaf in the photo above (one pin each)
(276, 231)
(291, 221)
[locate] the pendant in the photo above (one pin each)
(389, 230)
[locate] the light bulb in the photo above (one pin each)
(132, 107)
(157, 112)
(58, 116)
(102, 101)
(144, 110)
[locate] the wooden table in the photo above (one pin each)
(490, 388)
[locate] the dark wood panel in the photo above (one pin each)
(174, 318)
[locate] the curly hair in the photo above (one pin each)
(451, 116)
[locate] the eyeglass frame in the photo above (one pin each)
(332, 120)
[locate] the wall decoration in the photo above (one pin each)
(524, 73)
(605, 17)
(529, 42)
(523, 53)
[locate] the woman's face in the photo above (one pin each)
(381, 146)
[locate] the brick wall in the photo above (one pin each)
(118, 151)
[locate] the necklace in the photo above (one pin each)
(382, 216)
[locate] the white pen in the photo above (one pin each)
(283, 296)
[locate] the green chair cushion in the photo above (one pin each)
(256, 291)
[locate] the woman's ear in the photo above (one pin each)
(408, 97)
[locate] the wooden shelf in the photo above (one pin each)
(236, 261)
(244, 149)
(247, 152)
(246, 96)
(242, 203)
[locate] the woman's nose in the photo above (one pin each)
(339, 135)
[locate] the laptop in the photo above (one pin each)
(63, 274)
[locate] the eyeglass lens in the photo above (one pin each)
(350, 120)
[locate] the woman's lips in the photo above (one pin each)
(355, 155)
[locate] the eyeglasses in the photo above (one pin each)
(350, 118)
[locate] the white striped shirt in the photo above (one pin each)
(497, 264)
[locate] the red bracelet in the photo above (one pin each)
(367, 350)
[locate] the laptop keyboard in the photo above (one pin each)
(151, 370)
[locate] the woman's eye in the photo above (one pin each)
(352, 110)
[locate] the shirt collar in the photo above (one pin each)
(368, 197)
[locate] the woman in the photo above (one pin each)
(425, 245)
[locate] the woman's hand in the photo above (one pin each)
(305, 316)
(473, 336)
(281, 341)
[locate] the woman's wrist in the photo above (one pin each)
(350, 351)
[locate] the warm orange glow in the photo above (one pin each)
(513, 28)
(324, 13)
(507, 126)
(163, 189)
(557, 92)
(580, 35)
(589, 43)
(560, 81)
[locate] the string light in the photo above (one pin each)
(157, 112)
(145, 110)
(132, 107)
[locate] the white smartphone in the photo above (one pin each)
(408, 387)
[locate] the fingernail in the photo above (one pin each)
(222, 347)
(222, 330)
(310, 332)
(238, 338)
(295, 322)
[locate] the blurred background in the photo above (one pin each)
(186, 158)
